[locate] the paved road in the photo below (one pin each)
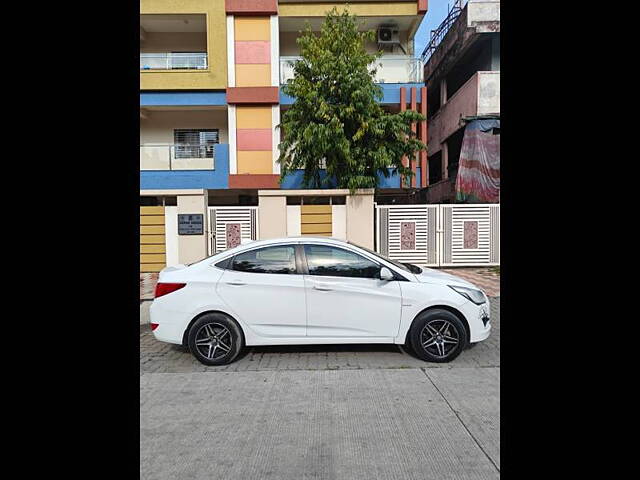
(328, 412)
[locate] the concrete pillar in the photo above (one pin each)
(445, 160)
(272, 215)
(495, 53)
(360, 213)
(443, 92)
(192, 248)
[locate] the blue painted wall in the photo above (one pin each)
(210, 179)
(149, 99)
(294, 180)
(390, 93)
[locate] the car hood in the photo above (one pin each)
(430, 275)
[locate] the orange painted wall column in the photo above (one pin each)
(403, 107)
(424, 165)
(412, 161)
(253, 93)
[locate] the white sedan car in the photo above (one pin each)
(314, 290)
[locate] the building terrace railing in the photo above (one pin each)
(390, 69)
(439, 33)
(177, 157)
(173, 61)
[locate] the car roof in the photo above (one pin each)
(278, 241)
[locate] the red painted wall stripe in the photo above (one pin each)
(423, 6)
(403, 107)
(251, 7)
(253, 52)
(254, 181)
(267, 95)
(254, 138)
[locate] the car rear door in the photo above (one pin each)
(346, 297)
(264, 289)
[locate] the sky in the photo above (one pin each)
(436, 13)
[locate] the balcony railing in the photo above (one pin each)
(173, 61)
(390, 69)
(177, 157)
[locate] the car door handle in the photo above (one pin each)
(236, 283)
(323, 288)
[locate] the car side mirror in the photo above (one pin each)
(385, 274)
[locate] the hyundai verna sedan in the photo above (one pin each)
(307, 291)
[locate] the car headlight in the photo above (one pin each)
(476, 296)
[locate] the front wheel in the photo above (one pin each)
(437, 336)
(215, 339)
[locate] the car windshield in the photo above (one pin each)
(407, 267)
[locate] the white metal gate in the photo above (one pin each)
(230, 225)
(440, 235)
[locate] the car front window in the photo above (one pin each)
(393, 262)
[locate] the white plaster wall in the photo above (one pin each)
(293, 221)
(339, 221)
(488, 93)
(171, 235)
(192, 248)
(482, 11)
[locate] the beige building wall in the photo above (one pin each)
(289, 47)
(360, 212)
(192, 248)
(159, 125)
(167, 42)
(272, 214)
(353, 222)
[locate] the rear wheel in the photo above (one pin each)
(215, 339)
(438, 336)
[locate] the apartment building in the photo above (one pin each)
(211, 73)
(462, 75)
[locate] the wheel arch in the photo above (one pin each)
(448, 308)
(185, 335)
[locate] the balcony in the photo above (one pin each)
(173, 61)
(177, 157)
(480, 95)
(390, 69)
(161, 170)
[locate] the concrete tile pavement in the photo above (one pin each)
(482, 277)
(325, 412)
(309, 424)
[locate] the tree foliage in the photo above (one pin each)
(336, 118)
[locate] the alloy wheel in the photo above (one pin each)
(439, 338)
(213, 340)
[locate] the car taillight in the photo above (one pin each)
(154, 326)
(164, 288)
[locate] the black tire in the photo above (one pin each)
(214, 333)
(437, 329)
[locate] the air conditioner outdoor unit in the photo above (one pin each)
(388, 35)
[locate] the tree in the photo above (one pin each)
(336, 120)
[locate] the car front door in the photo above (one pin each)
(346, 297)
(263, 288)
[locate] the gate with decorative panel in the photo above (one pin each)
(440, 235)
(228, 226)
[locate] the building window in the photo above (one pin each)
(190, 143)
